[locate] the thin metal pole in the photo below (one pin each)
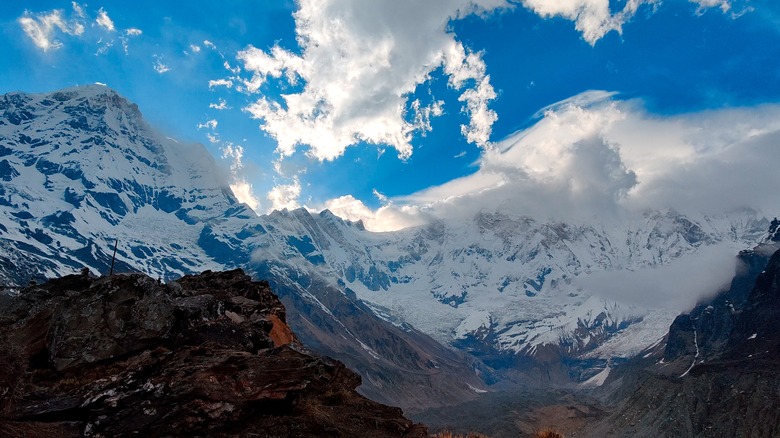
(113, 257)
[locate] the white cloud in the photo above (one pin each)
(209, 124)
(235, 70)
(244, 193)
(285, 196)
(385, 218)
(592, 18)
(592, 156)
(42, 28)
(159, 66)
(104, 21)
(220, 105)
(677, 286)
(194, 48)
(105, 47)
(724, 5)
(220, 83)
(241, 188)
(209, 44)
(236, 154)
(360, 62)
(424, 114)
(78, 10)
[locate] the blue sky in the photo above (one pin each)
(401, 110)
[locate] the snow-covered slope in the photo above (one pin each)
(80, 169)
(499, 286)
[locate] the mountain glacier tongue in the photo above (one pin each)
(81, 169)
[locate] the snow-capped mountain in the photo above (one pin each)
(501, 287)
(81, 170)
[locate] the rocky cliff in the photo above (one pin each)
(718, 372)
(206, 355)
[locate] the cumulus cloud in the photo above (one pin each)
(220, 83)
(724, 5)
(386, 218)
(285, 196)
(359, 64)
(677, 286)
(104, 21)
(125, 39)
(592, 18)
(42, 28)
(594, 156)
(209, 124)
(244, 192)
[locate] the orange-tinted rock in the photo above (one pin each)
(280, 332)
(208, 355)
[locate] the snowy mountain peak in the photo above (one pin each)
(82, 170)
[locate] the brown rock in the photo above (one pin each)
(208, 355)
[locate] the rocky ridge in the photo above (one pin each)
(206, 355)
(716, 372)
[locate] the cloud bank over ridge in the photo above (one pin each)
(352, 78)
(596, 157)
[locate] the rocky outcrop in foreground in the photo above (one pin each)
(207, 355)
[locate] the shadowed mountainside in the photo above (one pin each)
(717, 373)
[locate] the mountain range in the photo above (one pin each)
(428, 316)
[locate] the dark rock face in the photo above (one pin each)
(207, 355)
(719, 373)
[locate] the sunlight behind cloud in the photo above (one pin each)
(42, 28)
(594, 157)
(285, 196)
(104, 21)
(45, 29)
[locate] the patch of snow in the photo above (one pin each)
(598, 379)
(696, 343)
(477, 390)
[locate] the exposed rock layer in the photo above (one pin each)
(718, 375)
(207, 355)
